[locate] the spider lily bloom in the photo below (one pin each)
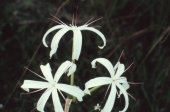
(77, 36)
(52, 86)
(115, 81)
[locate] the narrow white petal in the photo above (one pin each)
(46, 70)
(120, 70)
(117, 64)
(125, 86)
(111, 100)
(105, 63)
(72, 69)
(99, 81)
(77, 43)
(56, 39)
(97, 32)
(62, 69)
(72, 90)
(43, 99)
(121, 80)
(122, 89)
(56, 101)
(31, 84)
(50, 30)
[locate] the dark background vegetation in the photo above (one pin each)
(139, 27)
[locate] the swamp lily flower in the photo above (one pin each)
(77, 36)
(52, 86)
(115, 81)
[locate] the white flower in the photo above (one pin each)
(77, 37)
(97, 107)
(116, 81)
(52, 86)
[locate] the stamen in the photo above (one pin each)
(128, 67)
(58, 20)
(94, 21)
(95, 26)
(62, 94)
(121, 55)
(35, 73)
(135, 83)
(117, 94)
(165, 38)
(131, 96)
(106, 92)
(76, 16)
(73, 20)
(31, 92)
(89, 20)
(33, 109)
(55, 21)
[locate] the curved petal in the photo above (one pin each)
(99, 81)
(46, 70)
(56, 101)
(125, 86)
(72, 69)
(43, 99)
(31, 84)
(72, 90)
(95, 31)
(50, 30)
(105, 63)
(56, 39)
(120, 70)
(110, 101)
(77, 43)
(122, 89)
(62, 69)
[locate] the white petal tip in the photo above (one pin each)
(87, 91)
(26, 89)
(51, 55)
(68, 74)
(80, 99)
(93, 66)
(101, 47)
(45, 45)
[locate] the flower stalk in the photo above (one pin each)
(72, 76)
(67, 105)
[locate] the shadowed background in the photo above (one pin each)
(140, 28)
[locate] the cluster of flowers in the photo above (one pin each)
(53, 87)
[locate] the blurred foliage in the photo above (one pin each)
(131, 25)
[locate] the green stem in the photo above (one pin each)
(72, 77)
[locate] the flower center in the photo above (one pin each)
(113, 80)
(54, 84)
